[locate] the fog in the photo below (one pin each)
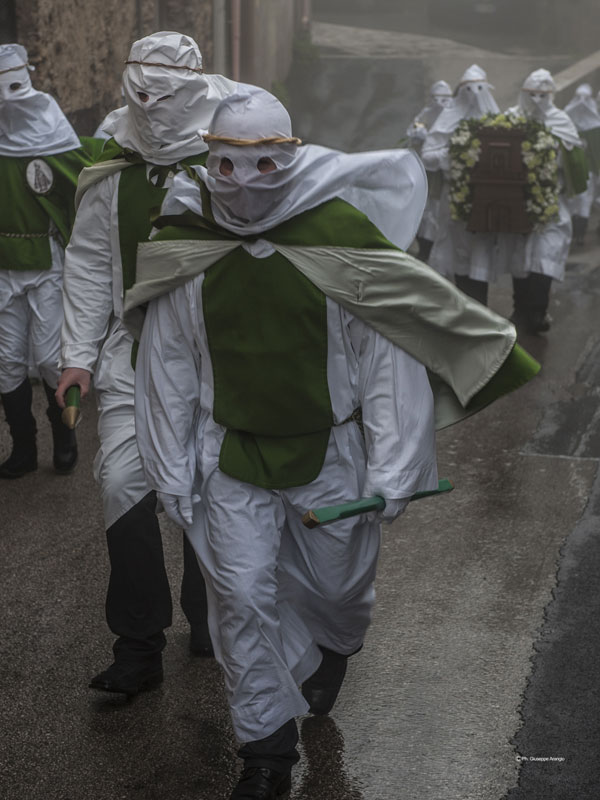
(371, 62)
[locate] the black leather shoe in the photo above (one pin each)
(322, 688)
(64, 456)
(21, 461)
(200, 643)
(128, 678)
(531, 322)
(262, 783)
(541, 322)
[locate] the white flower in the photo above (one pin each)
(461, 137)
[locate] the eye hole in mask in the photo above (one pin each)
(226, 166)
(143, 96)
(164, 97)
(14, 86)
(265, 165)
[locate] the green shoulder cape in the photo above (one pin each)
(470, 351)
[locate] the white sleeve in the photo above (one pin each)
(398, 418)
(87, 282)
(435, 153)
(167, 393)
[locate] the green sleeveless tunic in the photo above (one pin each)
(35, 191)
(266, 326)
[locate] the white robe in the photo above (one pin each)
(543, 251)
(275, 588)
(94, 338)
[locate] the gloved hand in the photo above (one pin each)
(418, 132)
(393, 509)
(177, 508)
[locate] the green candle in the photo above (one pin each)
(71, 414)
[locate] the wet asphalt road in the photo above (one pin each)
(478, 679)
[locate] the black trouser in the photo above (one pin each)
(531, 295)
(277, 751)
(138, 599)
(425, 246)
(17, 409)
(478, 290)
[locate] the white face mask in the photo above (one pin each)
(442, 100)
(248, 190)
(536, 105)
(247, 194)
(161, 104)
(537, 95)
(476, 99)
(15, 85)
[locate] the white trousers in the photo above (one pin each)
(277, 589)
(31, 314)
(117, 466)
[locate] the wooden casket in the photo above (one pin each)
(498, 184)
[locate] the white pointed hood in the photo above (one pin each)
(31, 122)
(536, 101)
(473, 98)
(170, 101)
(440, 97)
(583, 109)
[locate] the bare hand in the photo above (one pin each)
(72, 376)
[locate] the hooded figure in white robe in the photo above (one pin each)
(254, 359)
(170, 102)
(467, 257)
(536, 259)
(40, 158)
(440, 97)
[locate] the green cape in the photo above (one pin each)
(469, 350)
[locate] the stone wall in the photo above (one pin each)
(78, 46)
(193, 18)
(268, 29)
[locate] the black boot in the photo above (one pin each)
(539, 292)
(579, 229)
(531, 298)
(322, 688)
(521, 305)
(17, 408)
(64, 457)
(137, 666)
(268, 765)
(425, 247)
(262, 783)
